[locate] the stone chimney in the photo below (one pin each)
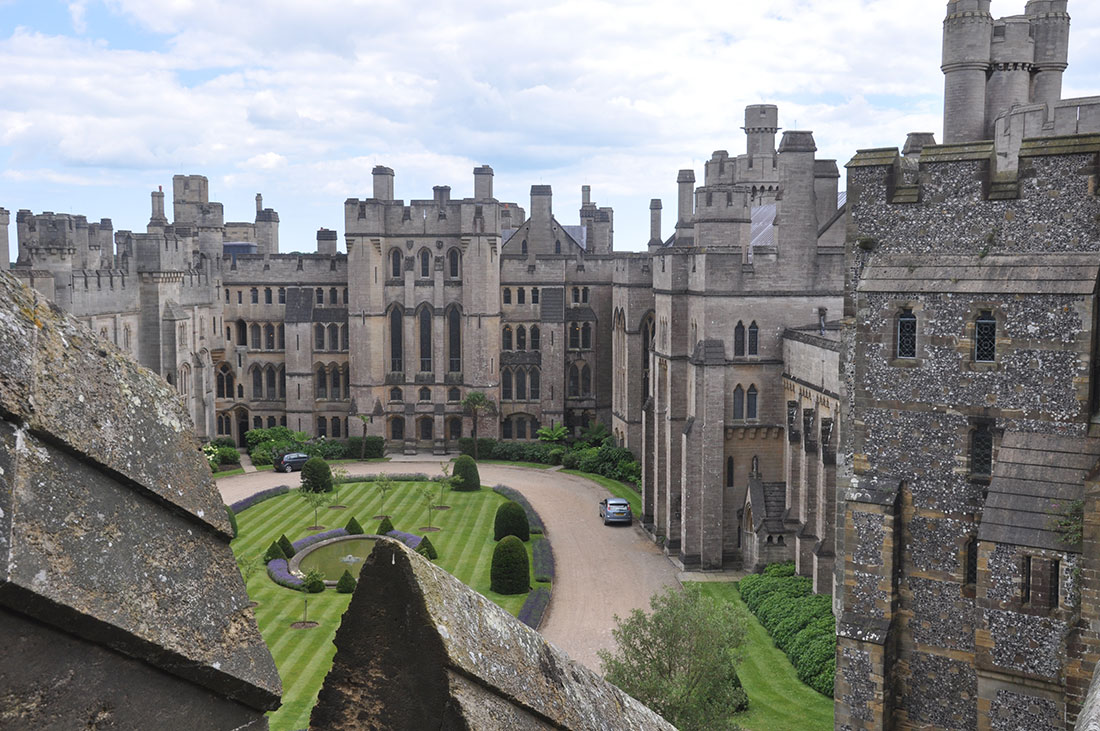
(157, 220)
(326, 242)
(586, 195)
(655, 222)
(441, 194)
(483, 183)
(383, 183)
(826, 189)
(5, 251)
(685, 183)
(542, 209)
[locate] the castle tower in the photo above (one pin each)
(5, 252)
(967, 41)
(1012, 56)
(1050, 29)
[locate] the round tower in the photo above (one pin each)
(761, 126)
(967, 38)
(1012, 55)
(1050, 29)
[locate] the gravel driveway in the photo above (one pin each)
(601, 570)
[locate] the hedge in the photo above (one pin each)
(511, 520)
(385, 527)
(618, 463)
(279, 572)
(542, 558)
(259, 497)
(316, 475)
(376, 447)
(466, 470)
(353, 527)
(533, 518)
(800, 622)
(510, 573)
(534, 608)
(426, 549)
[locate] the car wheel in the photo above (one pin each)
(287, 468)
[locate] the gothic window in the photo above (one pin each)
(1054, 583)
(738, 403)
(506, 385)
(345, 299)
(270, 422)
(344, 341)
(395, 264)
(282, 382)
(574, 336)
(333, 337)
(754, 339)
(267, 295)
(322, 383)
(396, 395)
(454, 341)
(523, 247)
(318, 337)
(521, 385)
(576, 295)
(521, 337)
(739, 339)
(586, 381)
(584, 295)
(534, 337)
(335, 427)
(907, 334)
(269, 337)
(254, 332)
(425, 264)
(226, 302)
(397, 428)
(257, 384)
(282, 337)
(322, 426)
(985, 338)
(454, 395)
(521, 427)
(225, 381)
(574, 381)
(425, 340)
(453, 263)
(750, 403)
(397, 362)
(981, 450)
(454, 428)
(729, 471)
(506, 338)
(333, 296)
(335, 382)
(242, 333)
(971, 561)
(535, 391)
(425, 394)
(270, 378)
(521, 296)
(319, 293)
(507, 296)
(586, 336)
(282, 295)
(534, 295)
(506, 429)
(254, 294)
(557, 247)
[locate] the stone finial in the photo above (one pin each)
(917, 141)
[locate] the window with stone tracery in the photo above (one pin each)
(907, 335)
(985, 338)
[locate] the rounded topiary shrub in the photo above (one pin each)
(511, 571)
(386, 526)
(287, 546)
(313, 585)
(353, 528)
(466, 469)
(232, 519)
(346, 584)
(274, 551)
(316, 475)
(511, 520)
(426, 549)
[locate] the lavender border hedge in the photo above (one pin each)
(278, 571)
(532, 516)
(308, 541)
(408, 539)
(542, 557)
(259, 497)
(535, 607)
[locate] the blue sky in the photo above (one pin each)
(101, 101)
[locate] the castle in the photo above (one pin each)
(895, 387)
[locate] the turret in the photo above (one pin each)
(5, 251)
(189, 194)
(1050, 29)
(1012, 54)
(326, 242)
(967, 40)
(383, 183)
(157, 220)
(483, 183)
(267, 231)
(655, 223)
(761, 126)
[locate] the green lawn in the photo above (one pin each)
(616, 488)
(465, 545)
(778, 700)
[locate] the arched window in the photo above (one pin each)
(535, 392)
(425, 319)
(282, 337)
(454, 395)
(254, 295)
(574, 336)
(454, 341)
(750, 403)
(453, 263)
(242, 333)
(425, 394)
(344, 341)
(506, 385)
(584, 295)
(521, 337)
(333, 296)
(535, 337)
(738, 403)
(574, 381)
(254, 332)
(335, 427)
(225, 381)
(557, 247)
(271, 379)
(971, 561)
(534, 295)
(426, 429)
(907, 335)
(396, 395)
(282, 295)
(454, 428)
(521, 427)
(318, 337)
(397, 349)
(334, 377)
(576, 295)
(333, 337)
(257, 383)
(397, 428)
(322, 383)
(507, 296)
(985, 338)
(395, 264)
(739, 339)
(521, 385)
(506, 338)
(754, 339)
(282, 382)
(586, 336)
(523, 247)
(521, 296)
(729, 471)
(267, 295)
(319, 295)
(425, 263)
(586, 381)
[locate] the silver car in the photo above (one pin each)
(615, 510)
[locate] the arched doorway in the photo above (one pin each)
(242, 427)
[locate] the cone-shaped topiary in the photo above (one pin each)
(426, 549)
(346, 584)
(316, 475)
(353, 528)
(286, 545)
(385, 526)
(274, 551)
(510, 572)
(511, 520)
(466, 470)
(232, 519)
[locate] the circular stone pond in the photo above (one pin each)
(333, 557)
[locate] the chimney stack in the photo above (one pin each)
(383, 183)
(655, 222)
(483, 183)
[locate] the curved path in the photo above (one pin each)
(602, 571)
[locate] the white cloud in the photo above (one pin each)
(266, 161)
(77, 11)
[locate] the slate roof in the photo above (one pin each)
(1034, 475)
(996, 274)
(763, 226)
(769, 500)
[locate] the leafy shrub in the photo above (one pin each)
(466, 469)
(316, 475)
(511, 520)
(254, 437)
(375, 447)
(326, 449)
(259, 497)
(510, 572)
(555, 456)
(313, 583)
(385, 527)
(278, 571)
(542, 559)
(227, 455)
(286, 546)
(780, 569)
(533, 518)
(426, 549)
(571, 460)
(232, 519)
(353, 528)
(346, 584)
(485, 446)
(534, 607)
(223, 442)
(274, 553)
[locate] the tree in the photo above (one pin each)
(427, 495)
(366, 419)
(476, 403)
(316, 500)
(680, 659)
(553, 434)
(446, 482)
(316, 475)
(383, 484)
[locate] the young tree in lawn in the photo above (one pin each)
(366, 419)
(477, 403)
(447, 483)
(427, 495)
(680, 660)
(316, 500)
(383, 484)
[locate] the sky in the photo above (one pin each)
(102, 101)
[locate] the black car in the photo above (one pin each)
(291, 462)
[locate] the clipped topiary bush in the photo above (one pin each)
(511, 520)
(510, 572)
(346, 584)
(232, 519)
(426, 549)
(274, 552)
(316, 475)
(466, 469)
(385, 527)
(314, 583)
(286, 546)
(353, 528)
